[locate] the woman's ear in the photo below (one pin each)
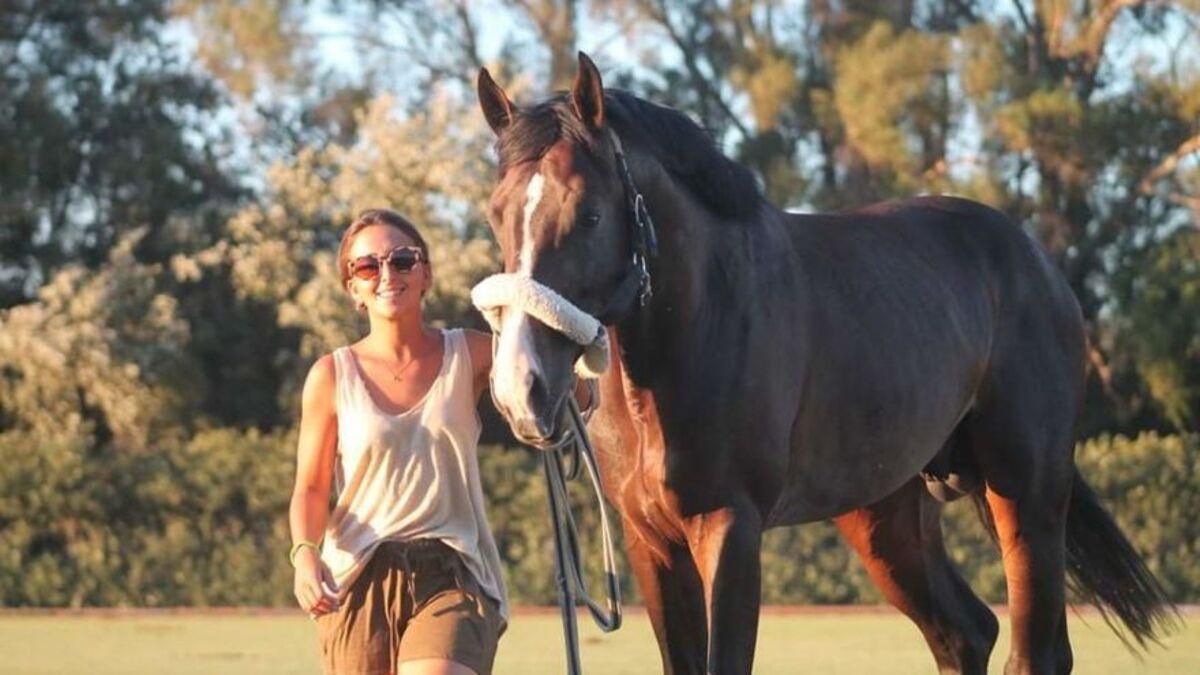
(358, 302)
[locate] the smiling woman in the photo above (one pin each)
(403, 574)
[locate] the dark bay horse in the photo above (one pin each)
(862, 366)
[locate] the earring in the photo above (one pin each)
(362, 306)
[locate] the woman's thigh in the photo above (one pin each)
(359, 636)
(454, 622)
(434, 667)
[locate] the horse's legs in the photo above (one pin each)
(1031, 534)
(726, 546)
(900, 541)
(1022, 436)
(673, 596)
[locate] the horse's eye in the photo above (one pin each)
(589, 219)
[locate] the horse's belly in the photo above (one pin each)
(842, 462)
(820, 494)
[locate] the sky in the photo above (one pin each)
(1130, 55)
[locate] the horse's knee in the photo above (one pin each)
(978, 640)
(961, 632)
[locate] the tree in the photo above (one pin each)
(103, 129)
(281, 251)
(94, 376)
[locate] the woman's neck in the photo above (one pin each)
(400, 340)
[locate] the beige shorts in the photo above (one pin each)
(413, 600)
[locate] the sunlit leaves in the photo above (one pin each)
(103, 351)
(890, 96)
(250, 45)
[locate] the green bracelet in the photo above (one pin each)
(296, 549)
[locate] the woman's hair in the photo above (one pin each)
(371, 217)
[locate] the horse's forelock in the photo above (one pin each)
(536, 129)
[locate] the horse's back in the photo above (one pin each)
(908, 303)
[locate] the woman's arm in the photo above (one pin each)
(309, 509)
(480, 346)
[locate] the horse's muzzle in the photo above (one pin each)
(537, 430)
(533, 432)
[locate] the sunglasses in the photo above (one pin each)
(401, 259)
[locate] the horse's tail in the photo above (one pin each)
(1104, 569)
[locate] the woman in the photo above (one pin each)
(407, 579)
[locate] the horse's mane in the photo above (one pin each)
(681, 146)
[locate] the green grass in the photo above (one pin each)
(823, 642)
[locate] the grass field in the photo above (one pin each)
(820, 641)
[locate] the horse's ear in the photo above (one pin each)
(497, 109)
(587, 95)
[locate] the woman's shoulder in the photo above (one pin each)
(479, 349)
(478, 342)
(320, 384)
(323, 370)
(476, 339)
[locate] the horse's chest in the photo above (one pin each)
(657, 482)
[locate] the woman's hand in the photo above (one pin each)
(314, 587)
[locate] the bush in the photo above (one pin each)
(204, 522)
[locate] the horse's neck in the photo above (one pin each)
(691, 241)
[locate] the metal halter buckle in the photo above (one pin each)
(645, 239)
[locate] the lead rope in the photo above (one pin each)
(574, 449)
(568, 568)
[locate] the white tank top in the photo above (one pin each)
(410, 476)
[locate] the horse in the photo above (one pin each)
(771, 369)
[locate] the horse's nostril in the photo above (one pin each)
(539, 393)
(539, 406)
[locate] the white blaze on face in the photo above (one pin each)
(516, 363)
(533, 197)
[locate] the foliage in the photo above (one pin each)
(887, 83)
(1160, 322)
(1151, 484)
(249, 44)
(101, 353)
(196, 523)
(103, 129)
(204, 522)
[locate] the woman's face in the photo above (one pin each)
(392, 294)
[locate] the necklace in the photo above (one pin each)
(398, 375)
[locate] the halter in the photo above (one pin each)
(644, 239)
(498, 291)
(573, 445)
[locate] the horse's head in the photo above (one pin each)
(560, 214)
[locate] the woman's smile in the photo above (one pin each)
(391, 293)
